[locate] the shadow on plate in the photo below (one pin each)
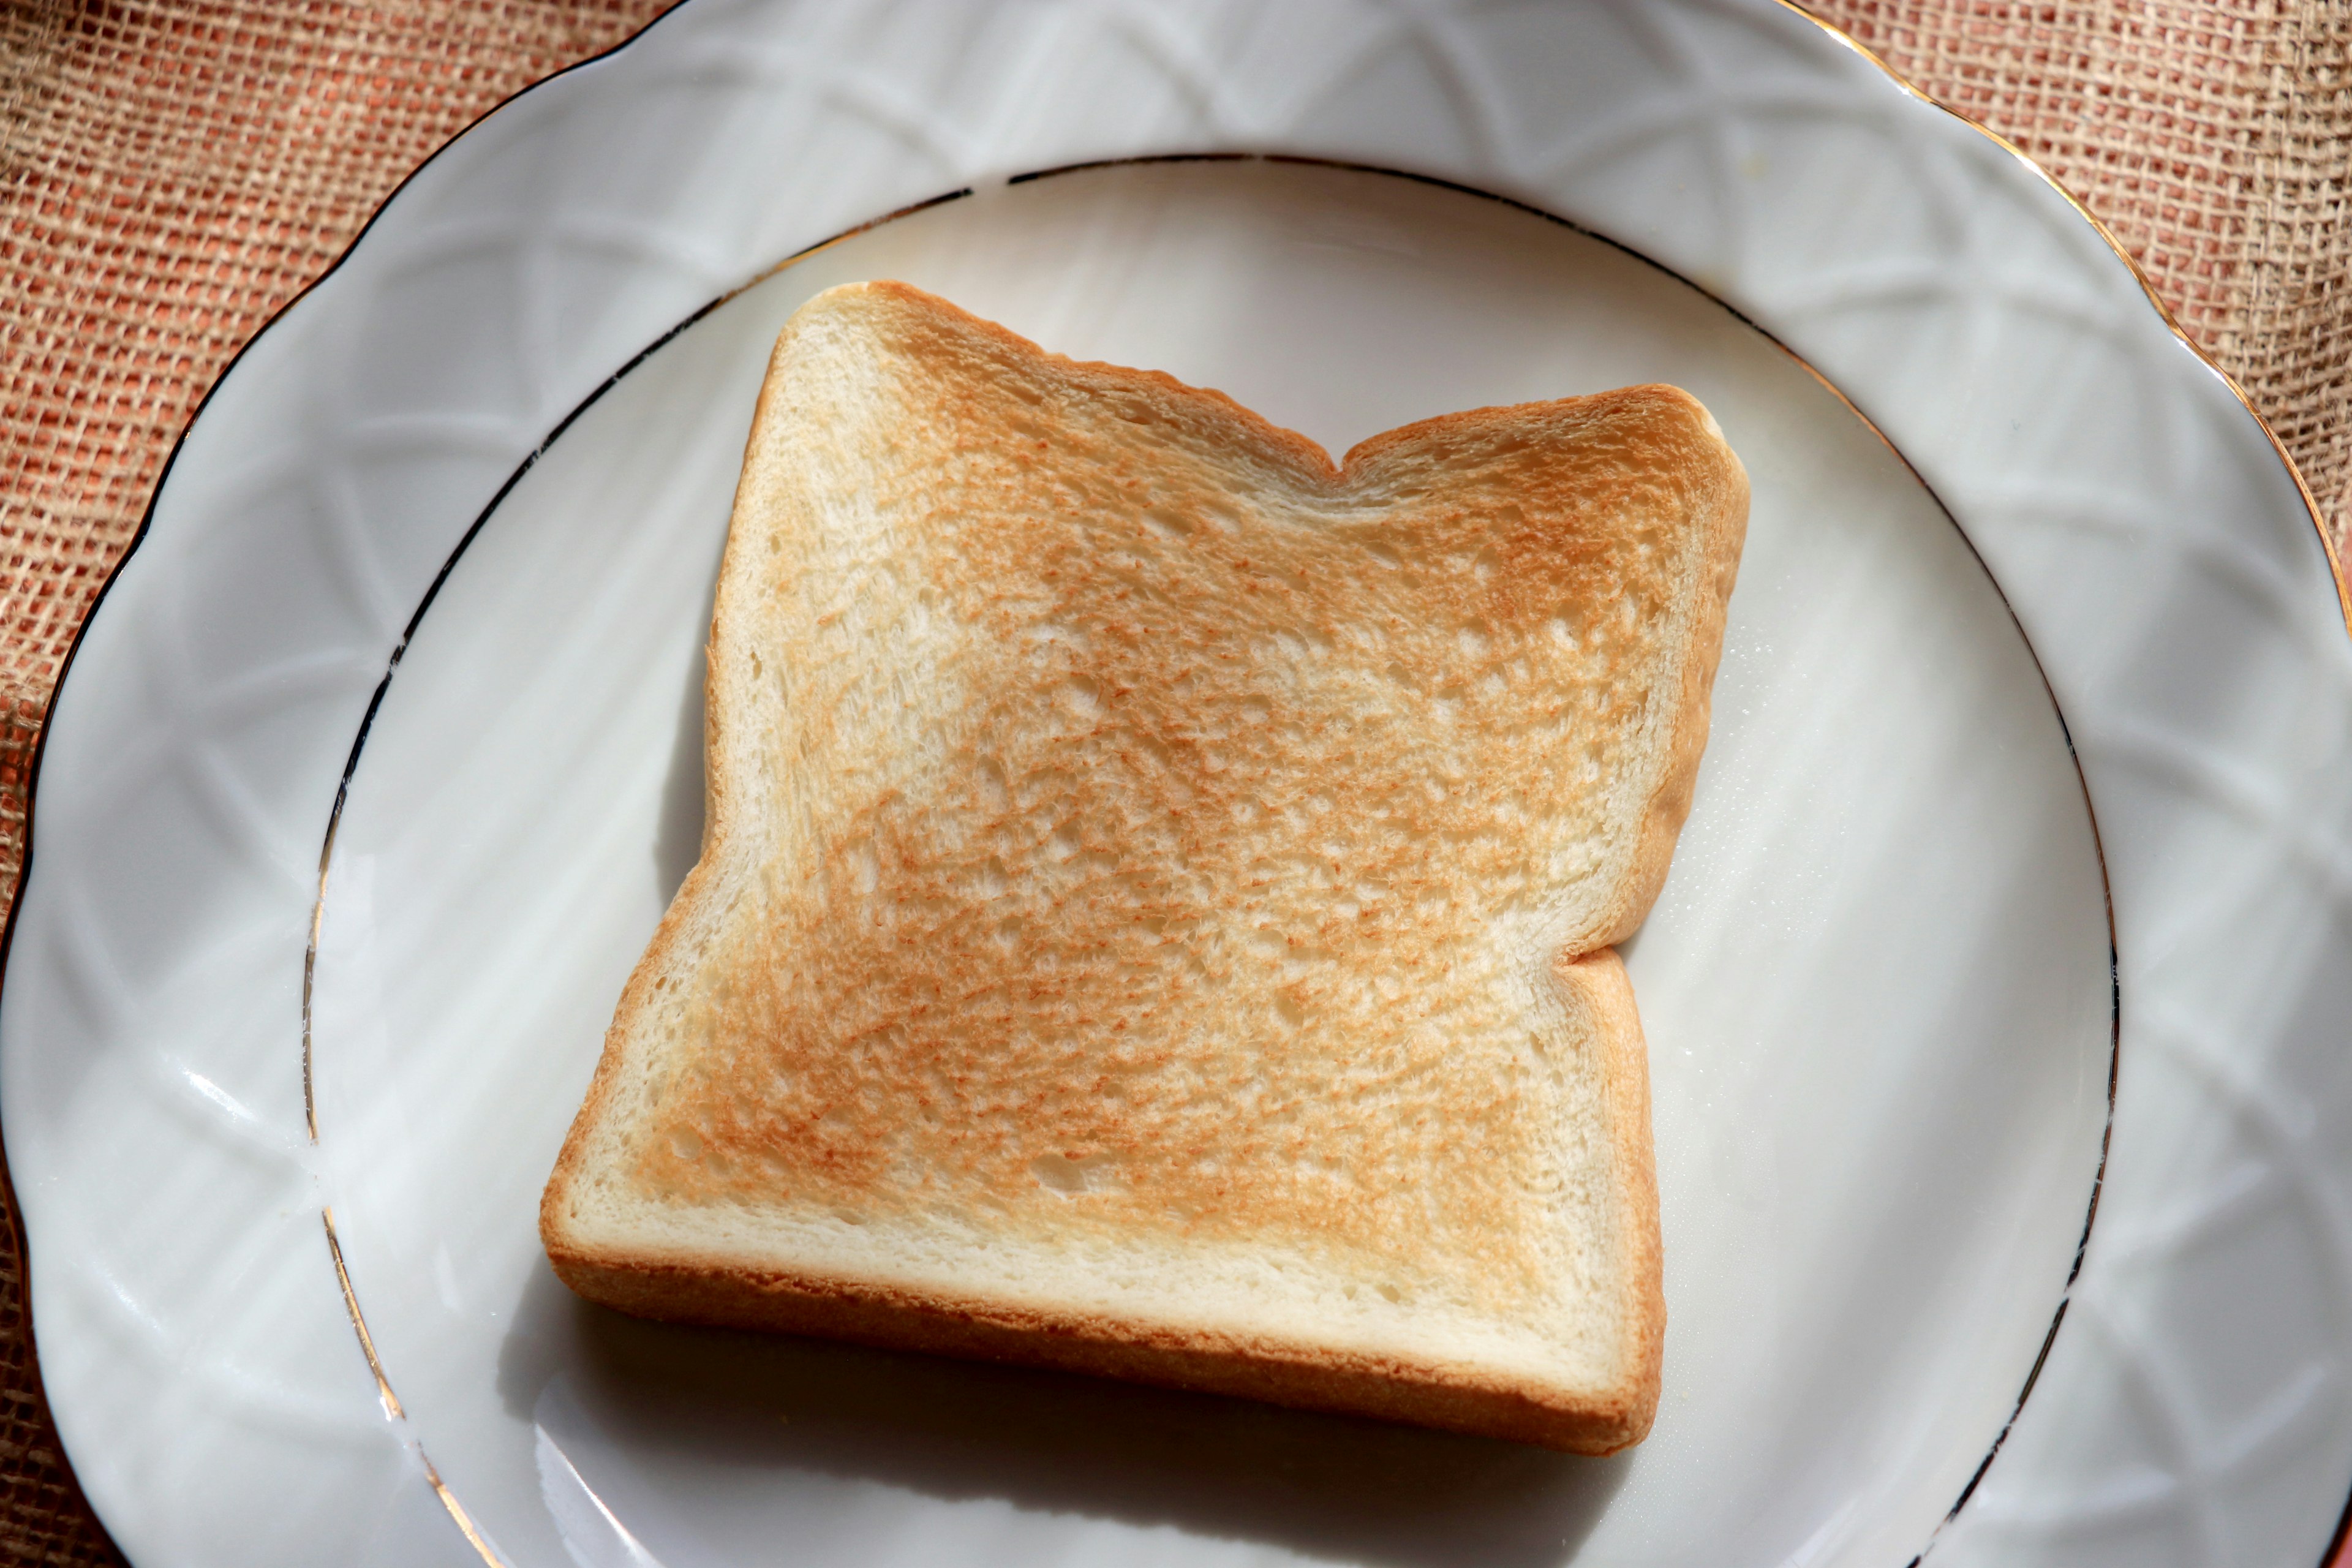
(1329, 1486)
(677, 837)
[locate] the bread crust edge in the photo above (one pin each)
(1300, 1376)
(1669, 805)
(1598, 981)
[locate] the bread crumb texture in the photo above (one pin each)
(1158, 886)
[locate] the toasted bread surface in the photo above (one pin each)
(1158, 887)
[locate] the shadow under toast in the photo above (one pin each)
(1336, 1488)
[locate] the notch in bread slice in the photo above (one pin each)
(1158, 889)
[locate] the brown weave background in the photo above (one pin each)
(2215, 139)
(172, 171)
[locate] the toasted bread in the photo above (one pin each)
(1158, 889)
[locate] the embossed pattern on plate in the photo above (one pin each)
(2195, 1410)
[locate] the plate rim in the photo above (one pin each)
(66, 665)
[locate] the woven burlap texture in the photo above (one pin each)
(173, 172)
(2214, 139)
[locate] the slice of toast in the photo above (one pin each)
(1157, 894)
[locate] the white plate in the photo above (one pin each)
(1876, 989)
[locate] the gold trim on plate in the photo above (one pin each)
(457, 1512)
(359, 1324)
(310, 965)
(391, 1401)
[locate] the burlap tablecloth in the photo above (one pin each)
(172, 171)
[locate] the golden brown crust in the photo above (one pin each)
(1598, 981)
(1240, 424)
(1302, 1376)
(1722, 515)
(886, 1038)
